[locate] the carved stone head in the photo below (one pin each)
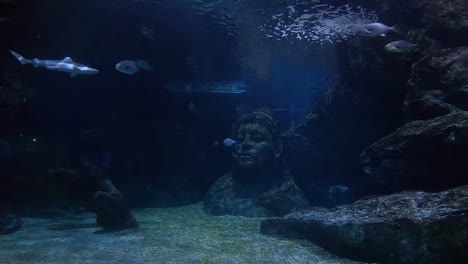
(257, 138)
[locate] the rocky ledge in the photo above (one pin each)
(408, 227)
(426, 155)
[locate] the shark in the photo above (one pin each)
(65, 65)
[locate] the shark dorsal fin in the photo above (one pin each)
(68, 59)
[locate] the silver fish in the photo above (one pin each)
(376, 29)
(132, 66)
(65, 65)
(229, 142)
(400, 46)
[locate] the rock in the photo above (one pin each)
(384, 91)
(401, 12)
(273, 198)
(361, 106)
(444, 20)
(340, 194)
(447, 21)
(427, 107)
(420, 154)
(408, 227)
(440, 80)
(428, 155)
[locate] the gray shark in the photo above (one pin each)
(65, 65)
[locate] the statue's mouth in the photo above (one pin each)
(244, 156)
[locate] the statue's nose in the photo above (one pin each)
(246, 147)
(246, 144)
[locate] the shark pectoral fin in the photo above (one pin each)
(73, 74)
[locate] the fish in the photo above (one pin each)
(132, 66)
(65, 65)
(4, 19)
(229, 142)
(376, 29)
(215, 144)
(400, 46)
(147, 32)
(192, 107)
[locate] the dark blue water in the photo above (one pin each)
(131, 118)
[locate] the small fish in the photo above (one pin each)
(191, 107)
(376, 29)
(132, 66)
(215, 144)
(229, 142)
(147, 32)
(4, 19)
(400, 46)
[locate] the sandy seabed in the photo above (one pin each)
(167, 235)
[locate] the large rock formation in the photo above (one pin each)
(428, 154)
(408, 227)
(406, 114)
(376, 94)
(438, 84)
(361, 106)
(445, 21)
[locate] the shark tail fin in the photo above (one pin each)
(20, 58)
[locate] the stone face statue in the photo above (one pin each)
(259, 185)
